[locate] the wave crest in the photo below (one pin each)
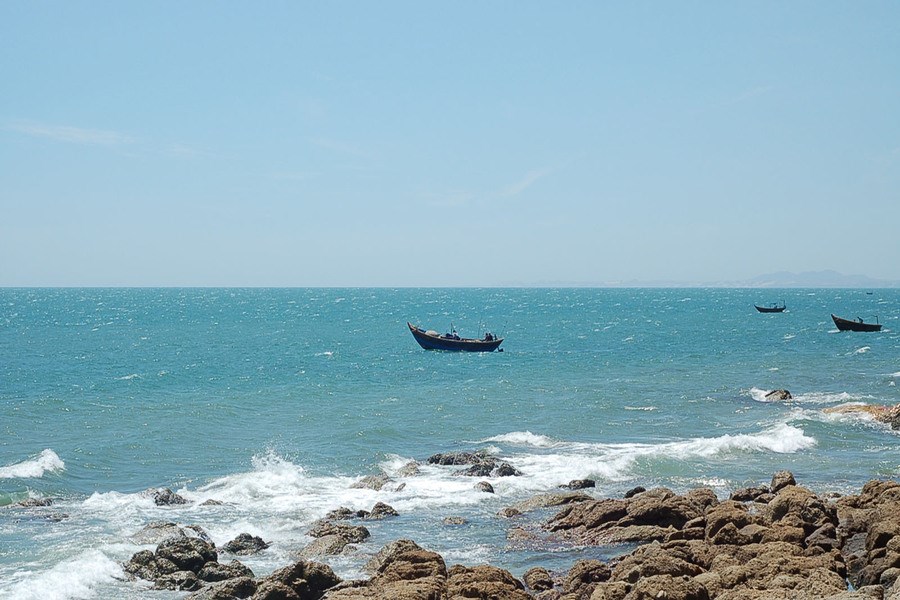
(46, 461)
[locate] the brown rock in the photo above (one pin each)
(780, 480)
(484, 582)
(587, 515)
(666, 587)
(538, 579)
(306, 579)
(584, 575)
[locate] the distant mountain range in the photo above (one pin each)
(781, 279)
(825, 279)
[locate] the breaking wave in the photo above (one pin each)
(46, 461)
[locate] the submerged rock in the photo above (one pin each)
(154, 533)
(579, 484)
(372, 482)
(779, 395)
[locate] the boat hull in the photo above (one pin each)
(847, 325)
(770, 309)
(437, 342)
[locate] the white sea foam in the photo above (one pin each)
(618, 462)
(760, 395)
(810, 397)
(647, 408)
(46, 461)
(524, 438)
(128, 377)
(73, 579)
(862, 350)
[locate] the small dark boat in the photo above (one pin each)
(432, 340)
(771, 309)
(857, 325)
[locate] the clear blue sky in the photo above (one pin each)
(438, 144)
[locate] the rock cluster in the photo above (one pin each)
(480, 464)
(778, 541)
(769, 542)
(882, 414)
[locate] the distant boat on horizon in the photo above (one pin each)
(857, 325)
(771, 309)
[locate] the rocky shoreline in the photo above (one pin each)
(769, 542)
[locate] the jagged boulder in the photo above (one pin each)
(165, 497)
(187, 554)
(352, 533)
(484, 582)
(245, 545)
(309, 580)
(402, 570)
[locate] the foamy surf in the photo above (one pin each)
(46, 461)
(524, 438)
(75, 579)
(809, 397)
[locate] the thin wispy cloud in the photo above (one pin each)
(71, 135)
(523, 184)
(452, 199)
(340, 147)
(760, 90)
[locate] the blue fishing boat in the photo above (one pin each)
(857, 325)
(432, 340)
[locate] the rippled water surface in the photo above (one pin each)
(277, 401)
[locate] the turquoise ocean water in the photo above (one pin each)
(276, 401)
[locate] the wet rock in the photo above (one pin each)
(154, 533)
(410, 469)
(781, 480)
(401, 571)
(380, 511)
(327, 545)
(372, 482)
(750, 494)
(181, 581)
(490, 468)
(588, 515)
(579, 484)
(583, 577)
(352, 533)
(188, 554)
(550, 500)
(165, 497)
(304, 578)
(198, 532)
(454, 521)
(484, 582)
(635, 491)
(484, 486)
(538, 579)
(240, 588)
(245, 545)
(215, 571)
(34, 502)
(146, 565)
(458, 458)
(779, 395)
(212, 502)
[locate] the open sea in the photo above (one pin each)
(277, 401)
